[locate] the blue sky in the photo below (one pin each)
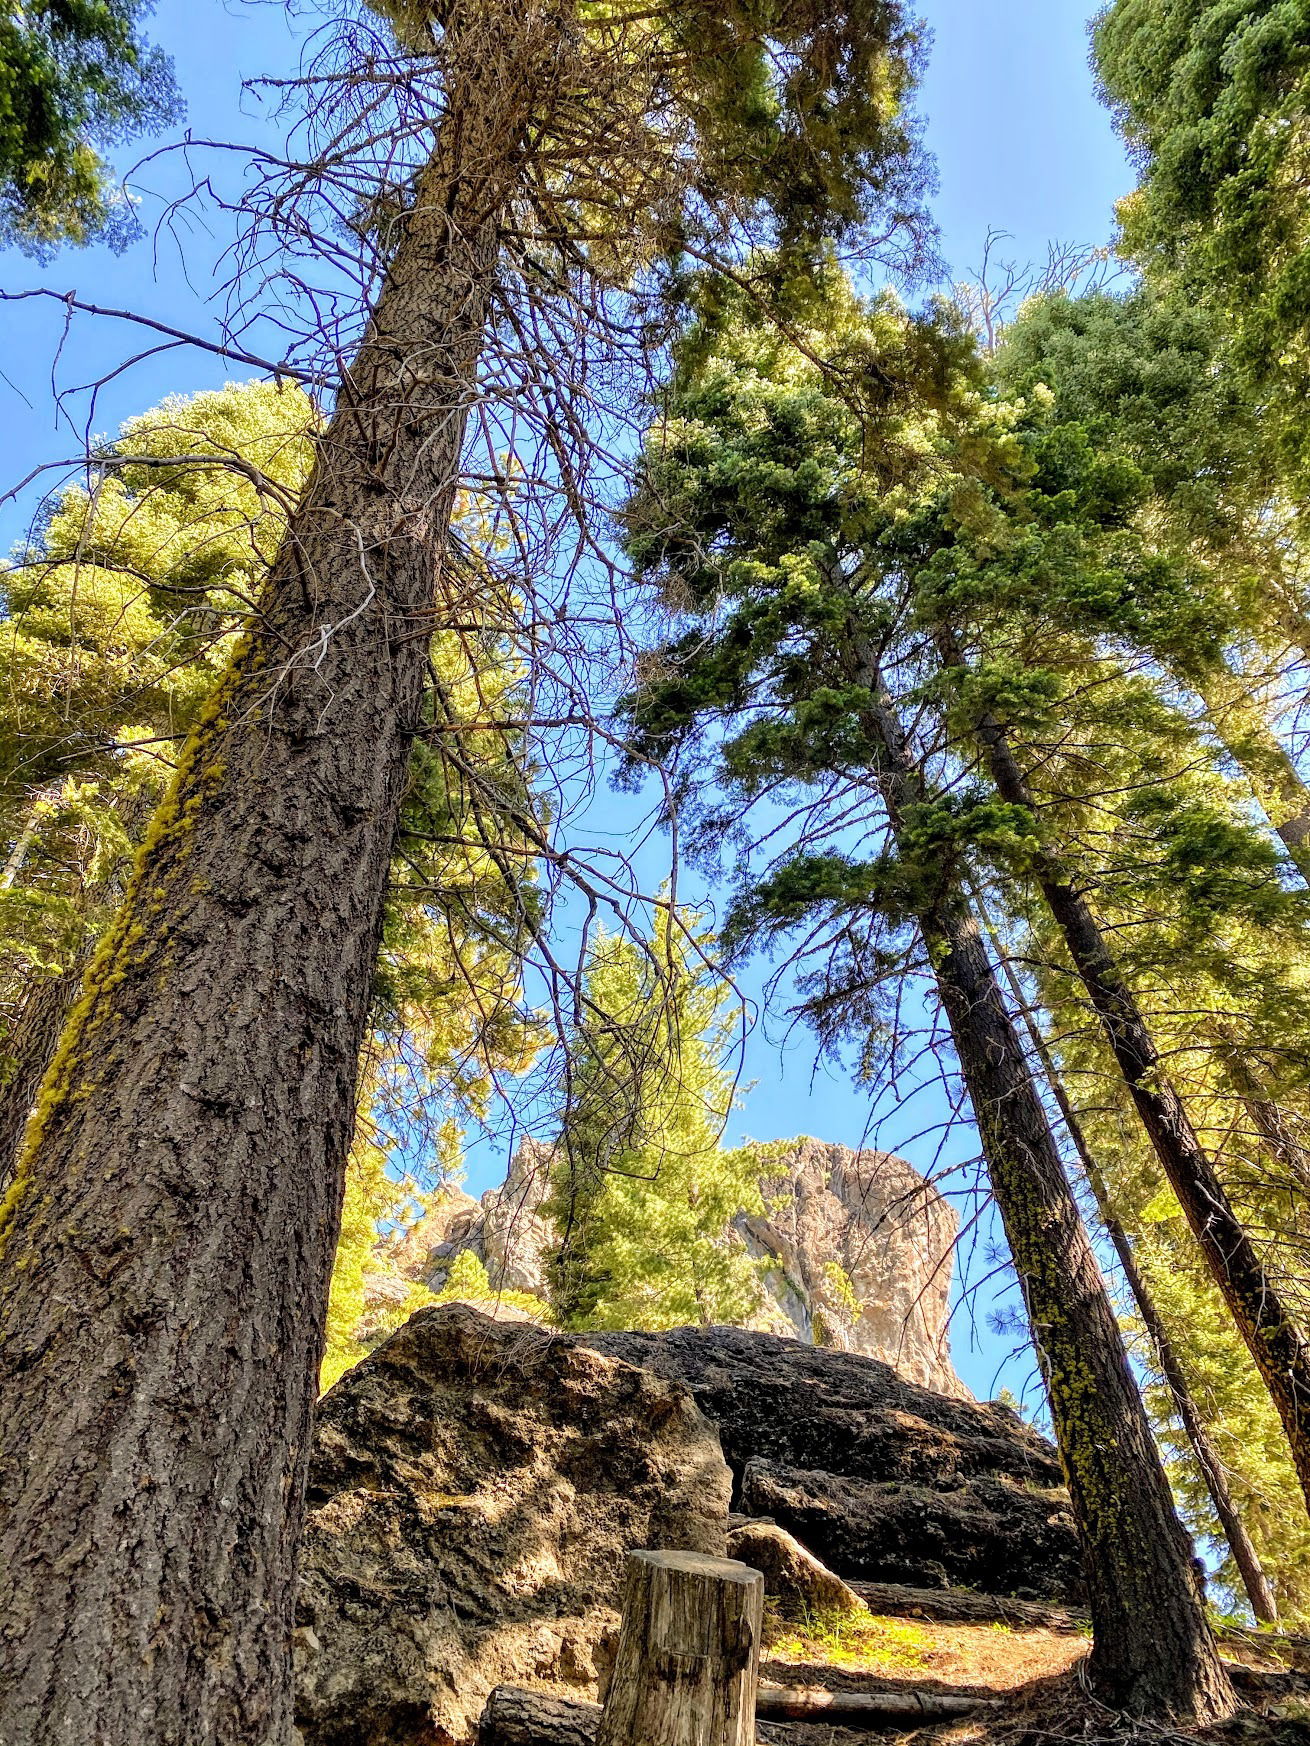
(1021, 145)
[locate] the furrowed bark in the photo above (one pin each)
(1212, 1470)
(32, 1043)
(169, 1234)
(1273, 1335)
(1153, 1652)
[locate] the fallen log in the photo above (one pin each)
(514, 1717)
(961, 1606)
(864, 1709)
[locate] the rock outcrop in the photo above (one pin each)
(881, 1479)
(794, 1579)
(474, 1488)
(857, 1245)
(860, 1250)
(505, 1229)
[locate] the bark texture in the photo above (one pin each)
(1213, 1472)
(688, 1664)
(32, 1043)
(1153, 1652)
(168, 1236)
(1273, 1334)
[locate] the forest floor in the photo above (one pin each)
(1029, 1670)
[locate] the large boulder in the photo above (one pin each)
(985, 1533)
(882, 1479)
(856, 1249)
(794, 1579)
(474, 1488)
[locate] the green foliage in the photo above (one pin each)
(642, 1194)
(784, 117)
(75, 77)
(1212, 97)
(855, 1642)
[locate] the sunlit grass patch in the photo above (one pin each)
(859, 1642)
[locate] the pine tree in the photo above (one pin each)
(117, 625)
(178, 1296)
(642, 1192)
(1211, 96)
(1208, 549)
(75, 77)
(762, 516)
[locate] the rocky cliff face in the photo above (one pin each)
(858, 1248)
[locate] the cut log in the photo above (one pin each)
(530, 1718)
(689, 1653)
(963, 1607)
(865, 1709)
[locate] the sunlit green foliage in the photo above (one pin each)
(1213, 98)
(75, 77)
(643, 1195)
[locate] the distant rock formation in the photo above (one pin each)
(858, 1247)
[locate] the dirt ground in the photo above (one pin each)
(1033, 1671)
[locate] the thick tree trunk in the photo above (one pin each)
(31, 1045)
(1153, 1652)
(1275, 1339)
(1211, 1468)
(169, 1234)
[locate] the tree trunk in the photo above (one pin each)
(31, 1044)
(1274, 1337)
(1153, 1652)
(1212, 1470)
(169, 1234)
(689, 1653)
(1243, 731)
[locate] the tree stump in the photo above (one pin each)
(689, 1653)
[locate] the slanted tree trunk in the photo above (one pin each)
(169, 1234)
(1245, 734)
(688, 1661)
(31, 1044)
(1211, 1468)
(1153, 1652)
(1272, 1333)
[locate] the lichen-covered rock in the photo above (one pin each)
(843, 1437)
(794, 1578)
(474, 1488)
